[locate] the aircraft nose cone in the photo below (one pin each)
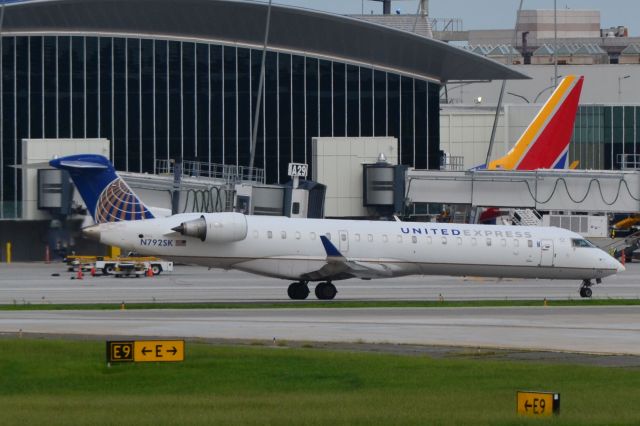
(92, 233)
(620, 267)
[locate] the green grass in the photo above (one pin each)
(67, 382)
(323, 304)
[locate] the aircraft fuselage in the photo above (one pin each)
(292, 248)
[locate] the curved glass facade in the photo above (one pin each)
(161, 99)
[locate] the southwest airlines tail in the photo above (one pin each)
(545, 143)
(107, 196)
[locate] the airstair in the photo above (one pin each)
(526, 217)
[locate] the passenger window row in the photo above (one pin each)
(414, 239)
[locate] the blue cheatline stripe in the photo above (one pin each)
(562, 162)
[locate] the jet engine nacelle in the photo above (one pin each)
(215, 227)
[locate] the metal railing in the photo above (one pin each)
(628, 161)
(228, 173)
(452, 162)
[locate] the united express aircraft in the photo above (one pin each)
(325, 251)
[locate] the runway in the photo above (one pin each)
(33, 283)
(605, 330)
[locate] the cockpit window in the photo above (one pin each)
(577, 242)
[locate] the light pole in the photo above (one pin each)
(254, 132)
(519, 96)
(555, 42)
(620, 78)
(535, 100)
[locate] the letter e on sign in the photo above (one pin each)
(158, 350)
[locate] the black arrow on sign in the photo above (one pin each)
(145, 351)
(527, 405)
(173, 351)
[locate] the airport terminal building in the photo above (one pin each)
(165, 79)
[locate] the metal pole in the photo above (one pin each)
(555, 42)
(254, 134)
(1, 166)
(502, 89)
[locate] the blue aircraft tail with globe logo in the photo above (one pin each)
(107, 196)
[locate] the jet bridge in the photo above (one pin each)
(614, 191)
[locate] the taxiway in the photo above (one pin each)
(34, 283)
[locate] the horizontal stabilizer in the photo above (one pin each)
(44, 165)
(82, 164)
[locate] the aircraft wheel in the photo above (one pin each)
(298, 291)
(586, 292)
(326, 291)
(156, 269)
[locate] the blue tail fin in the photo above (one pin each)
(107, 196)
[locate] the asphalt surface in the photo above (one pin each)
(598, 330)
(602, 330)
(34, 283)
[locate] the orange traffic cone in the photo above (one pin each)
(150, 272)
(79, 274)
(93, 271)
(623, 258)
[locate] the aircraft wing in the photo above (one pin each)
(340, 267)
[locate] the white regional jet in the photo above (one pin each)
(323, 250)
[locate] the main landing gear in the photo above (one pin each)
(300, 290)
(326, 291)
(585, 288)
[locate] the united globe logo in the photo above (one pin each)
(117, 202)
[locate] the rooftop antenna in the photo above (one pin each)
(254, 133)
(386, 6)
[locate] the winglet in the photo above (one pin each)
(331, 250)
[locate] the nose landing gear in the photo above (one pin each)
(585, 288)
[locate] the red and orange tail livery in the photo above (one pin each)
(545, 143)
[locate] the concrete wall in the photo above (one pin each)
(337, 163)
(571, 23)
(629, 59)
(600, 85)
(43, 150)
(466, 132)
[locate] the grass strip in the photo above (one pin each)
(323, 304)
(58, 382)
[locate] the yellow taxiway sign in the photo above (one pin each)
(145, 351)
(538, 403)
